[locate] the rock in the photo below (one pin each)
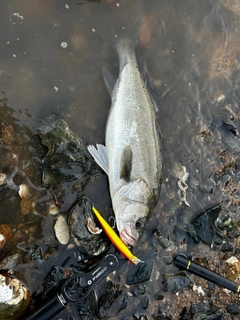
(140, 273)
(175, 282)
(67, 167)
(233, 269)
(233, 309)
(204, 223)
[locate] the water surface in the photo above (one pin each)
(51, 62)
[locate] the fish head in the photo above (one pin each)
(132, 223)
(131, 205)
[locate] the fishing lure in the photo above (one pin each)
(119, 244)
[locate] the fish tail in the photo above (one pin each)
(126, 51)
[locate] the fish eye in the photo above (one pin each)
(139, 224)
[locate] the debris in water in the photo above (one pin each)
(64, 45)
(180, 172)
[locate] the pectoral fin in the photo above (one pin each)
(99, 154)
(109, 80)
(126, 163)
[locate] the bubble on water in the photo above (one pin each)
(64, 45)
(16, 18)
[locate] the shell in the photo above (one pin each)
(27, 206)
(61, 230)
(53, 209)
(2, 178)
(5, 234)
(92, 228)
(14, 297)
(23, 191)
(7, 134)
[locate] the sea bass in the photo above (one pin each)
(132, 155)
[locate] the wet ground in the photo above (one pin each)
(51, 62)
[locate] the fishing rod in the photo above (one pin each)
(185, 263)
(77, 287)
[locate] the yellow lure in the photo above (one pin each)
(119, 244)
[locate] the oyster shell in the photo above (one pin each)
(93, 242)
(14, 297)
(92, 228)
(61, 230)
(5, 234)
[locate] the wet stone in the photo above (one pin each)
(109, 303)
(184, 315)
(158, 296)
(213, 316)
(164, 243)
(139, 290)
(160, 315)
(204, 223)
(167, 260)
(233, 309)
(141, 272)
(226, 247)
(67, 160)
(206, 311)
(55, 278)
(87, 307)
(186, 232)
(138, 316)
(144, 302)
(175, 282)
(218, 239)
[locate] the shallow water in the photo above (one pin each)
(51, 62)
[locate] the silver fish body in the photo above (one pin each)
(133, 155)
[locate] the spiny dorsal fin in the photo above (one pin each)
(126, 163)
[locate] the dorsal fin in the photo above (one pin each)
(126, 163)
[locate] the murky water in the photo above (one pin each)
(51, 62)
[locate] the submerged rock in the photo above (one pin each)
(203, 223)
(111, 301)
(140, 273)
(67, 167)
(67, 158)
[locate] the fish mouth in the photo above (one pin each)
(127, 236)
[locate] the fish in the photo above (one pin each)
(132, 155)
